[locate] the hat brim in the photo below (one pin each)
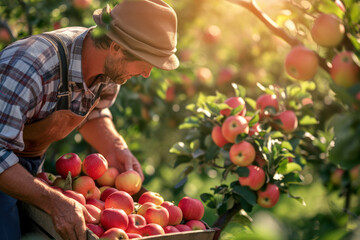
(165, 63)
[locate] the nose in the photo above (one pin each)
(146, 73)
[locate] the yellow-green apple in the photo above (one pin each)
(96, 229)
(196, 225)
(84, 185)
(120, 200)
(106, 192)
(225, 75)
(288, 121)
(211, 34)
(94, 211)
(59, 182)
(133, 235)
(96, 202)
(328, 30)
(218, 137)
(344, 71)
(94, 165)
(76, 196)
(129, 181)
(114, 218)
(47, 177)
(114, 234)
(269, 197)
(69, 162)
(256, 178)
(175, 213)
(204, 75)
(4, 35)
(234, 102)
(192, 208)
(157, 214)
(153, 197)
(265, 102)
(242, 154)
(183, 228)
(233, 126)
(136, 221)
(82, 4)
(336, 176)
(151, 229)
(301, 63)
(170, 229)
(142, 209)
(108, 178)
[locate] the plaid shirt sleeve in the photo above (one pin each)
(20, 91)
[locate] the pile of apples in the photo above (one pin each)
(243, 153)
(109, 197)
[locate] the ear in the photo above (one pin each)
(115, 48)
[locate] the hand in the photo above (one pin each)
(124, 160)
(69, 217)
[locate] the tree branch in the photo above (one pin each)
(278, 31)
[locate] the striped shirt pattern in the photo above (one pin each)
(29, 79)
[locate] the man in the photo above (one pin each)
(41, 103)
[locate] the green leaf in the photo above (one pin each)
(190, 122)
(209, 200)
(181, 159)
(68, 182)
(180, 148)
(355, 13)
(222, 208)
(240, 91)
(245, 193)
(198, 153)
(286, 145)
(181, 183)
(291, 167)
(213, 107)
(242, 171)
(277, 134)
(251, 102)
(308, 120)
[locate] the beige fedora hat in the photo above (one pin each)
(145, 28)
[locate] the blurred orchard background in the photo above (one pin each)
(234, 48)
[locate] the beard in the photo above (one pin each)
(115, 70)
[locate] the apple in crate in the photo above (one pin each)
(114, 234)
(94, 211)
(171, 229)
(95, 165)
(107, 192)
(114, 218)
(96, 229)
(151, 229)
(192, 208)
(175, 213)
(157, 214)
(196, 225)
(120, 200)
(46, 177)
(153, 197)
(129, 181)
(84, 185)
(133, 235)
(142, 209)
(96, 202)
(69, 162)
(183, 227)
(108, 178)
(136, 221)
(76, 196)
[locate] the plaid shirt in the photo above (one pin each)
(29, 79)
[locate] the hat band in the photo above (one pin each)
(136, 44)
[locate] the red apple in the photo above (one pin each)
(153, 197)
(233, 126)
(192, 208)
(76, 196)
(4, 36)
(84, 185)
(301, 63)
(217, 136)
(183, 228)
(234, 102)
(211, 34)
(96, 202)
(82, 4)
(265, 101)
(196, 225)
(354, 173)
(142, 209)
(225, 75)
(157, 214)
(336, 176)
(95, 193)
(204, 75)
(96, 229)
(242, 153)
(136, 221)
(328, 30)
(94, 211)
(133, 235)
(95, 165)
(69, 162)
(259, 160)
(269, 197)
(114, 218)
(129, 181)
(114, 234)
(106, 192)
(175, 213)
(120, 200)
(170, 229)
(288, 121)
(151, 229)
(108, 178)
(47, 177)
(256, 178)
(344, 71)
(170, 94)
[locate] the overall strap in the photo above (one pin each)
(64, 91)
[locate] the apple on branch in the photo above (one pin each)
(269, 197)
(233, 126)
(218, 137)
(288, 121)
(255, 179)
(242, 154)
(265, 102)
